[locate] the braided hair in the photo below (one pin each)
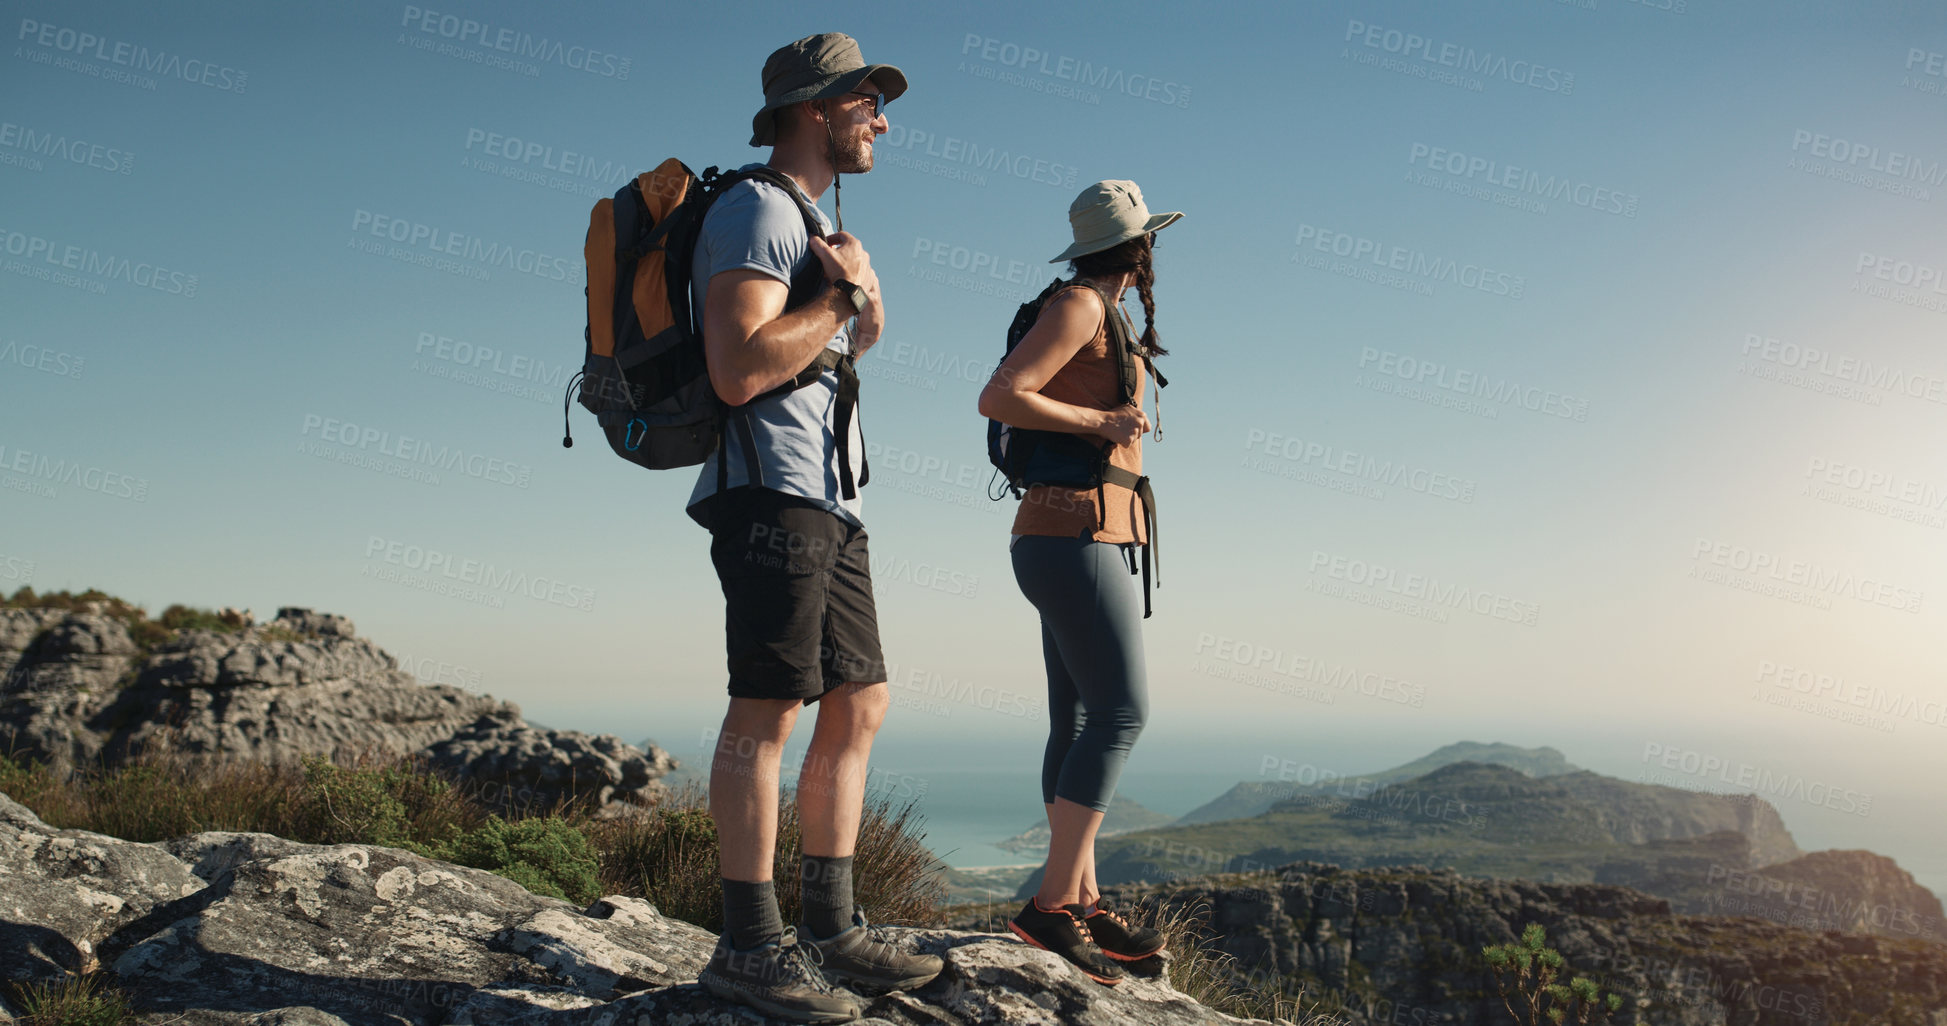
(1136, 255)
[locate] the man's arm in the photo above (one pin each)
(752, 345)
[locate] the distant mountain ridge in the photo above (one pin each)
(1254, 797)
(1705, 854)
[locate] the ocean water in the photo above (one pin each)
(973, 792)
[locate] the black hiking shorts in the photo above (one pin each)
(797, 588)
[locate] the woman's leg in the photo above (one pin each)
(1091, 613)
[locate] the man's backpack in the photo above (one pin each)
(1023, 457)
(643, 373)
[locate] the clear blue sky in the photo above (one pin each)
(1666, 285)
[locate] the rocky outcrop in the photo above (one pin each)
(228, 929)
(1636, 813)
(526, 769)
(1847, 891)
(80, 692)
(1402, 945)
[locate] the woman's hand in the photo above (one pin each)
(1123, 425)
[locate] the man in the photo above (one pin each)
(787, 540)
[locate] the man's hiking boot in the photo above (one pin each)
(858, 958)
(1116, 937)
(777, 979)
(1063, 933)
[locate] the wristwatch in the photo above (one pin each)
(854, 294)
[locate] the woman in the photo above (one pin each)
(1074, 557)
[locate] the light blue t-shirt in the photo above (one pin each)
(756, 226)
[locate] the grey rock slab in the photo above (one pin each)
(619, 945)
(63, 893)
(366, 934)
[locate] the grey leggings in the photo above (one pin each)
(1091, 640)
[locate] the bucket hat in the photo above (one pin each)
(816, 68)
(1108, 214)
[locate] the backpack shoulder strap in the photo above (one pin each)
(804, 284)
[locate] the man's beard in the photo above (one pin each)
(854, 154)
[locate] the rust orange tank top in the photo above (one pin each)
(1091, 379)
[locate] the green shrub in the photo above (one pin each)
(546, 855)
(1528, 969)
(75, 1001)
(184, 618)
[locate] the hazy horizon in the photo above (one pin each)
(1553, 373)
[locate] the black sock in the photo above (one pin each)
(750, 915)
(827, 895)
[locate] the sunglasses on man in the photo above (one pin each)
(878, 101)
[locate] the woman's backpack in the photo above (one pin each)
(1024, 457)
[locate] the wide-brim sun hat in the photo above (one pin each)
(1108, 214)
(817, 68)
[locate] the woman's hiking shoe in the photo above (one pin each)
(777, 979)
(1063, 933)
(860, 958)
(1116, 937)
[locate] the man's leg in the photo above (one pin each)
(743, 802)
(831, 798)
(831, 788)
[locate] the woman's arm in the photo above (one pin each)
(1013, 396)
